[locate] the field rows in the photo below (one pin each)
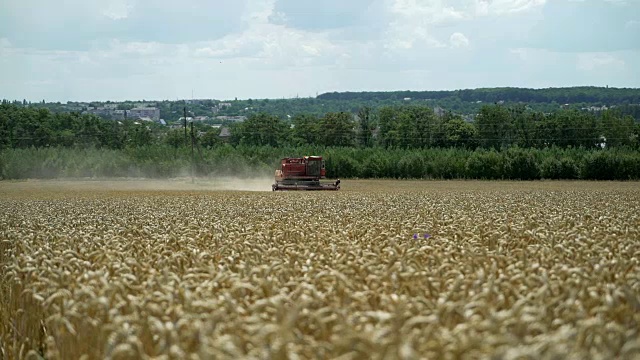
(545, 270)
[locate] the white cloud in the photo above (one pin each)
(260, 48)
(5, 46)
(259, 45)
(281, 45)
(140, 48)
(311, 50)
(458, 40)
(521, 53)
(414, 21)
(533, 57)
(499, 7)
(259, 11)
(632, 24)
(430, 11)
(4, 42)
(117, 9)
(596, 61)
(271, 44)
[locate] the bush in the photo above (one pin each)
(612, 165)
(411, 165)
(600, 165)
(485, 165)
(342, 166)
(563, 168)
(629, 166)
(375, 167)
(447, 165)
(521, 164)
(342, 162)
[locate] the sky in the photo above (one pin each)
(98, 50)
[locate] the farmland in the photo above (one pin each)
(381, 269)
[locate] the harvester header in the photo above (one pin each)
(302, 174)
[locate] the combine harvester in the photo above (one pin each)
(302, 174)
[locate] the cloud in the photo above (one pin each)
(259, 11)
(499, 7)
(132, 49)
(412, 24)
(4, 43)
(632, 24)
(458, 40)
(268, 44)
(598, 61)
(533, 58)
(589, 26)
(117, 9)
(417, 24)
(76, 24)
(324, 15)
(521, 53)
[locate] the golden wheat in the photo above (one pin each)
(508, 271)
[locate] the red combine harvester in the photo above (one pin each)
(302, 174)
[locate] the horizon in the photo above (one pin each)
(117, 50)
(315, 97)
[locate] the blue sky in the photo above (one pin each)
(81, 50)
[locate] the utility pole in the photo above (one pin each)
(185, 124)
(193, 159)
(126, 133)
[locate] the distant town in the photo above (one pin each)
(464, 103)
(148, 111)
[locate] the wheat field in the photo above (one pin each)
(381, 269)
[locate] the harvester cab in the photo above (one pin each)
(302, 174)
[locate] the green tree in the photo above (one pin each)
(388, 135)
(495, 128)
(305, 130)
(175, 138)
(337, 129)
(459, 133)
(364, 134)
(210, 138)
(618, 131)
(524, 125)
(418, 127)
(261, 129)
(5, 128)
(563, 129)
(140, 135)
(635, 136)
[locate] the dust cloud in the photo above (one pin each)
(219, 183)
(100, 185)
(238, 184)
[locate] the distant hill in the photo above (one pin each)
(566, 95)
(626, 101)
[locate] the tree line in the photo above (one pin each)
(465, 102)
(504, 142)
(341, 162)
(418, 127)
(583, 94)
(24, 127)
(404, 127)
